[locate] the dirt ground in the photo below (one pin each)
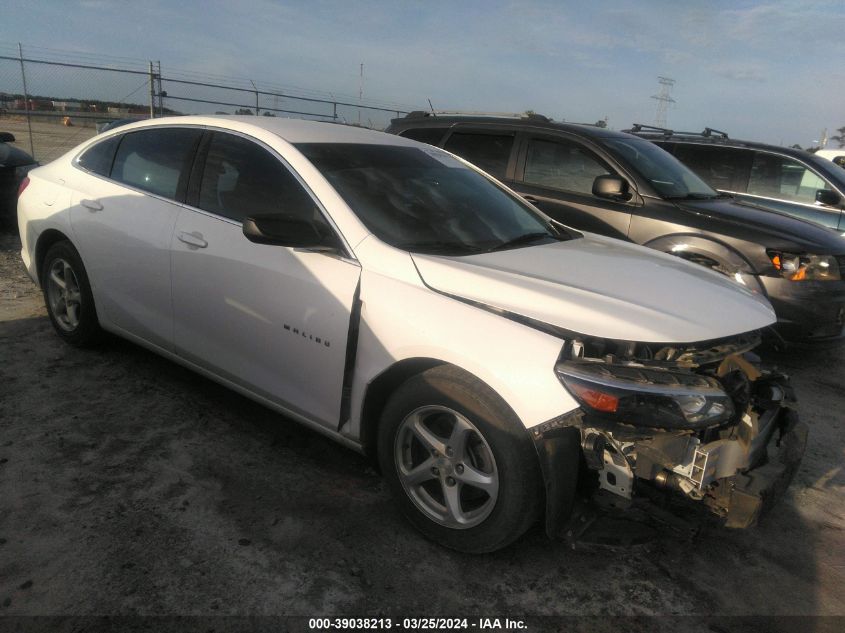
(50, 138)
(129, 485)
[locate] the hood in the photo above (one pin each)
(765, 226)
(603, 287)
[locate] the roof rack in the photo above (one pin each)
(501, 115)
(708, 132)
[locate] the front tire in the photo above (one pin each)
(68, 297)
(459, 462)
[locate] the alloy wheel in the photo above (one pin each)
(446, 467)
(64, 295)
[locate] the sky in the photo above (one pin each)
(768, 71)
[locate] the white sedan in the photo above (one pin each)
(406, 304)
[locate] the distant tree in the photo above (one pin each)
(243, 111)
(265, 113)
(221, 112)
(839, 138)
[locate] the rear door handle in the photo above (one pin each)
(192, 239)
(530, 199)
(93, 205)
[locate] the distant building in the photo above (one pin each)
(67, 106)
(34, 104)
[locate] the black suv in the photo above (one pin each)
(14, 165)
(783, 179)
(616, 184)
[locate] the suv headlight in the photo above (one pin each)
(801, 267)
(656, 398)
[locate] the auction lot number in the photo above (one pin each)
(414, 624)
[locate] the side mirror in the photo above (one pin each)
(7, 137)
(611, 188)
(827, 197)
(283, 231)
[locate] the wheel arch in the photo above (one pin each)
(45, 241)
(379, 390)
(691, 247)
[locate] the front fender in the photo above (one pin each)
(726, 260)
(402, 320)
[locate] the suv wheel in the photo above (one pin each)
(459, 461)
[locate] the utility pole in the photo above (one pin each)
(26, 102)
(161, 93)
(152, 92)
(360, 92)
(256, 97)
(663, 100)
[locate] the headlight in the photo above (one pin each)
(801, 267)
(649, 397)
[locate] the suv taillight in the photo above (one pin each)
(24, 185)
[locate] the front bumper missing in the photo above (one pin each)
(743, 498)
(736, 479)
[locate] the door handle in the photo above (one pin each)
(93, 205)
(192, 239)
(530, 199)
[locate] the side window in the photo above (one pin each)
(99, 157)
(489, 152)
(241, 179)
(780, 177)
(156, 160)
(720, 167)
(562, 165)
(430, 135)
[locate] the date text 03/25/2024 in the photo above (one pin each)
(416, 624)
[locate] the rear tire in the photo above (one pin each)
(459, 462)
(68, 297)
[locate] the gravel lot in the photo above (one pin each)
(51, 139)
(129, 485)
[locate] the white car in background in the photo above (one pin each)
(836, 156)
(400, 301)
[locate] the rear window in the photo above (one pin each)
(99, 157)
(490, 152)
(156, 160)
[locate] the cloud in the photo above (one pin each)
(740, 73)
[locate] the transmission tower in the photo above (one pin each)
(663, 100)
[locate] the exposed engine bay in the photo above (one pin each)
(703, 421)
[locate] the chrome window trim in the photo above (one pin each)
(768, 151)
(835, 210)
(349, 254)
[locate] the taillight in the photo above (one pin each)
(24, 185)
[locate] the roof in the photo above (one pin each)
(419, 119)
(291, 130)
(709, 136)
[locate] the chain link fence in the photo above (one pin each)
(52, 100)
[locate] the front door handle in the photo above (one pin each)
(192, 239)
(530, 199)
(93, 205)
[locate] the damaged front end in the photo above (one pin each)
(698, 421)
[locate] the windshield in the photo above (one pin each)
(421, 199)
(666, 173)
